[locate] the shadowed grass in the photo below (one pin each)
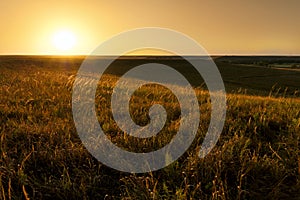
(257, 155)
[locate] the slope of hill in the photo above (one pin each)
(42, 157)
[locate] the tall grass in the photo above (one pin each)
(257, 155)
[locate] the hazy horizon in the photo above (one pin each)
(149, 55)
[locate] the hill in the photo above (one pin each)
(42, 157)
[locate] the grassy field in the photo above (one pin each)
(42, 157)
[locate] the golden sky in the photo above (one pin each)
(220, 26)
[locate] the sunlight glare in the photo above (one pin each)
(64, 40)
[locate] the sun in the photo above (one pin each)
(64, 40)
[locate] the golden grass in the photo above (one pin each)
(257, 155)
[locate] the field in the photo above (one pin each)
(256, 157)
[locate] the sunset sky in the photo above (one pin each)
(221, 27)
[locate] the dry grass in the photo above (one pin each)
(257, 155)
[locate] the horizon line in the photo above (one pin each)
(153, 55)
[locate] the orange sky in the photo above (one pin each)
(221, 27)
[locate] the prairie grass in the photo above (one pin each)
(42, 157)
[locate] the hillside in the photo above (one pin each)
(42, 156)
